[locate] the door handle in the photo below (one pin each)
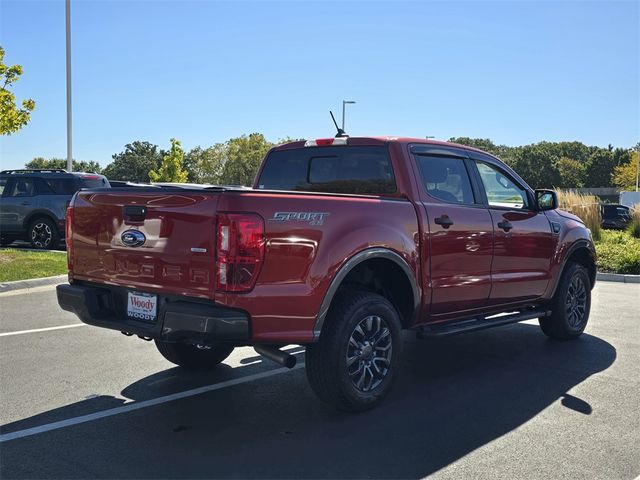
(444, 221)
(25, 203)
(505, 225)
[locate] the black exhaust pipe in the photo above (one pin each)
(274, 353)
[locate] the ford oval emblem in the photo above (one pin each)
(133, 238)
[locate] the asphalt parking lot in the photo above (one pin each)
(507, 403)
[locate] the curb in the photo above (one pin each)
(34, 282)
(617, 277)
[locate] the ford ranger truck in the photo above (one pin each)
(340, 245)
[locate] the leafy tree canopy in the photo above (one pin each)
(135, 162)
(171, 169)
(12, 117)
(624, 175)
(78, 166)
(243, 157)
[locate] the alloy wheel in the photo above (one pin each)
(576, 301)
(41, 235)
(369, 353)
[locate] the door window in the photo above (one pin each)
(22, 187)
(445, 178)
(501, 190)
(3, 183)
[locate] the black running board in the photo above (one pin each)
(478, 323)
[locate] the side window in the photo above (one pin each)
(62, 186)
(22, 187)
(445, 178)
(3, 183)
(501, 190)
(42, 188)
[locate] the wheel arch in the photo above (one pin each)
(581, 252)
(29, 219)
(398, 284)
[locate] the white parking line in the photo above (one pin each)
(35, 330)
(130, 407)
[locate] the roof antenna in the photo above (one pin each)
(340, 131)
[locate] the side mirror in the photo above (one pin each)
(546, 200)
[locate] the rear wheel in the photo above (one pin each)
(356, 360)
(193, 357)
(43, 234)
(570, 306)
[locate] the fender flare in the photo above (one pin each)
(349, 265)
(580, 243)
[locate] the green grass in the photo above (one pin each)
(618, 252)
(21, 265)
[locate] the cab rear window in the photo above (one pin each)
(362, 170)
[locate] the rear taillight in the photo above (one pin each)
(69, 238)
(239, 251)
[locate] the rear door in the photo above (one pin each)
(17, 201)
(459, 239)
(523, 242)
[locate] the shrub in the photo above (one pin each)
(618, 252)
(634, 226)
(587, 207)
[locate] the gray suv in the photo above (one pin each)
(33, 204)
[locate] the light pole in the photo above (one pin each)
(344, 103)
(637, 164)
(68, 41)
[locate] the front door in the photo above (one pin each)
(523, 241)
(460, 236)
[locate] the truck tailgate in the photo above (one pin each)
(178, 233)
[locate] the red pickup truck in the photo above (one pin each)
(340, 245)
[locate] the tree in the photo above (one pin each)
(205, 165)
(135, 162)
(536, 164)
(624, 176)
(600, 167)
(243, 156)
(501, 151)
(572, 173)
(12, 118)
(82, 166)
(171, 169)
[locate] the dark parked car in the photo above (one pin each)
(33, 204)
(615, 216)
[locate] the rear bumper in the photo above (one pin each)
(177, 319)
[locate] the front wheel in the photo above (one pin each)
(193, 357)
(570, 306)
(356, 360)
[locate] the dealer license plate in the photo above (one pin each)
(142, 306)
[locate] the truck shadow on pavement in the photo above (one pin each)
(454, 396)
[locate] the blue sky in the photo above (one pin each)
(516, 72)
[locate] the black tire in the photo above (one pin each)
(330, 377)
(191, 357)
(43, 234)
(570, 306)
